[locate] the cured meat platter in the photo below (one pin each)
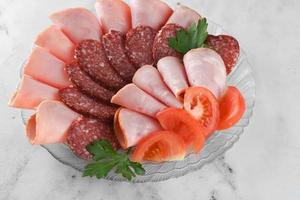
(134, 93)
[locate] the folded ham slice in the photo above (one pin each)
(173, 73)
(78, 24)
(152, 13)
(113, 15)
(132, 97)
(31, 93)
(50, 123)
(148, 79)
(57, 43)
(205, 67)
(45, 67)
(131, 126)
(184, 16)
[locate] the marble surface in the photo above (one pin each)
(264, 164)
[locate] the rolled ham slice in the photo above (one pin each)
(184, 16)
(131, 126)
(31, 93)
(132, 97)
(78, 24)
(113, 15)
(54, 40)
(148, 79)
(50, 123)
(205, 67)
(173, 73)
(153, 13)
(45, 67)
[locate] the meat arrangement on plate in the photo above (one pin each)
(136, 83)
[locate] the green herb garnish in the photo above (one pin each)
(192, 38)
(107, 159)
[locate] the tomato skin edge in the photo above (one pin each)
(183, 124)
(237, 106)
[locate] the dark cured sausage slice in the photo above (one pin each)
(85, 105)
(113, 44)
(92, 59)
(228, 48)
(84, 131)
(86, 84)
(139, 42)
(161, 47)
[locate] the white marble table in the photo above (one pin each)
(264, 164)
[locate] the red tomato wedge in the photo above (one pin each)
(158, 147)
(232, 108)
(204, 107)
(182, 123)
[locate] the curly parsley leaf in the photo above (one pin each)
(107, 159)
(193, 37)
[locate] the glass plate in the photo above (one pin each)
(216, 145)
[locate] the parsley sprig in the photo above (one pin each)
(192, 38)
(107, 159)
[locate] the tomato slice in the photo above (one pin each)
(182, 123)
(204, 107)
(232, 108)
(158, 147)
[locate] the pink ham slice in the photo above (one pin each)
(132, 97)
(45, 67)
(184, 16)
(153, 13)
(31, 93)
(148, 79)
(131, 126)
(173, 73)
(205, 67)
(78, 24)
(54, 40)
(50, 123)
(113, 15)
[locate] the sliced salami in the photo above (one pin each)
(161, 47)
(86, 84)
(84, 131)
(92, 59)
(139, 42)
(86, 105)
(228, 48)
(114, 46)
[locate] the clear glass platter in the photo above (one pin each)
(241, 77)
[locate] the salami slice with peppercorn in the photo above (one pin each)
(139, 42)
(86, 84)
(84, 131)
(161, 46)
(228, 48)
(86, 105)
(113, 44)
(92, 59)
